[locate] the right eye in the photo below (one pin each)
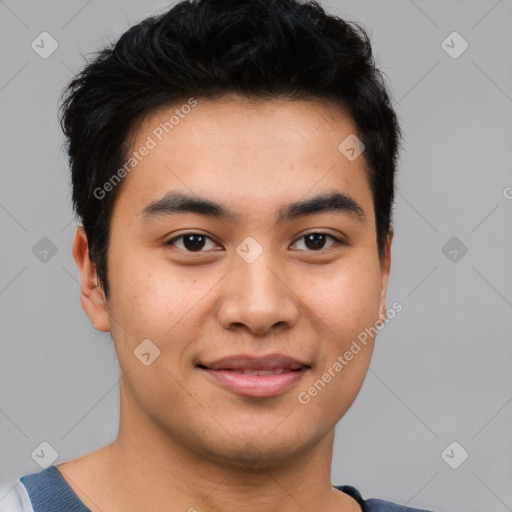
(190, 242)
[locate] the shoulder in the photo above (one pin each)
(14, 497)
(42, 491)
(376, 505)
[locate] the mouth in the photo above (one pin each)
(266, 376)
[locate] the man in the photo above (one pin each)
(233, 170)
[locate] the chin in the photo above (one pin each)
(258, 452)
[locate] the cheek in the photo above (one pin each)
(155, 301)
(345, 299)
(344, 306)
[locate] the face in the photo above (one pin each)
(243, 246)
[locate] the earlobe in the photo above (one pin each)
(92, 296)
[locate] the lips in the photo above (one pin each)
(262, 373)
(265, 376)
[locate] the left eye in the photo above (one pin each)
(195, 242)
(316, 241)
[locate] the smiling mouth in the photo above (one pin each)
(256, 377)
(262, 372)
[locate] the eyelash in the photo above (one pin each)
(337, 241)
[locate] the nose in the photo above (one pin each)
(258, 296)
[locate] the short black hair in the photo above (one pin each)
(208, 49)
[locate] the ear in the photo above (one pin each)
(92, 296)
(385, 266)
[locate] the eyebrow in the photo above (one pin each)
(180, 202)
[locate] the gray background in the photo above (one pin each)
(441, 368)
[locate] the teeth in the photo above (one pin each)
(264, 373)
(270, 372)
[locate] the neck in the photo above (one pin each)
(152, 471)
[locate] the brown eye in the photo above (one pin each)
(194, 242)
(317, 241)
(190, 242)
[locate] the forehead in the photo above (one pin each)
(251, 150)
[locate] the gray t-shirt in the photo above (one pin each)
(48, 491)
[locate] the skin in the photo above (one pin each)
(184, 441)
